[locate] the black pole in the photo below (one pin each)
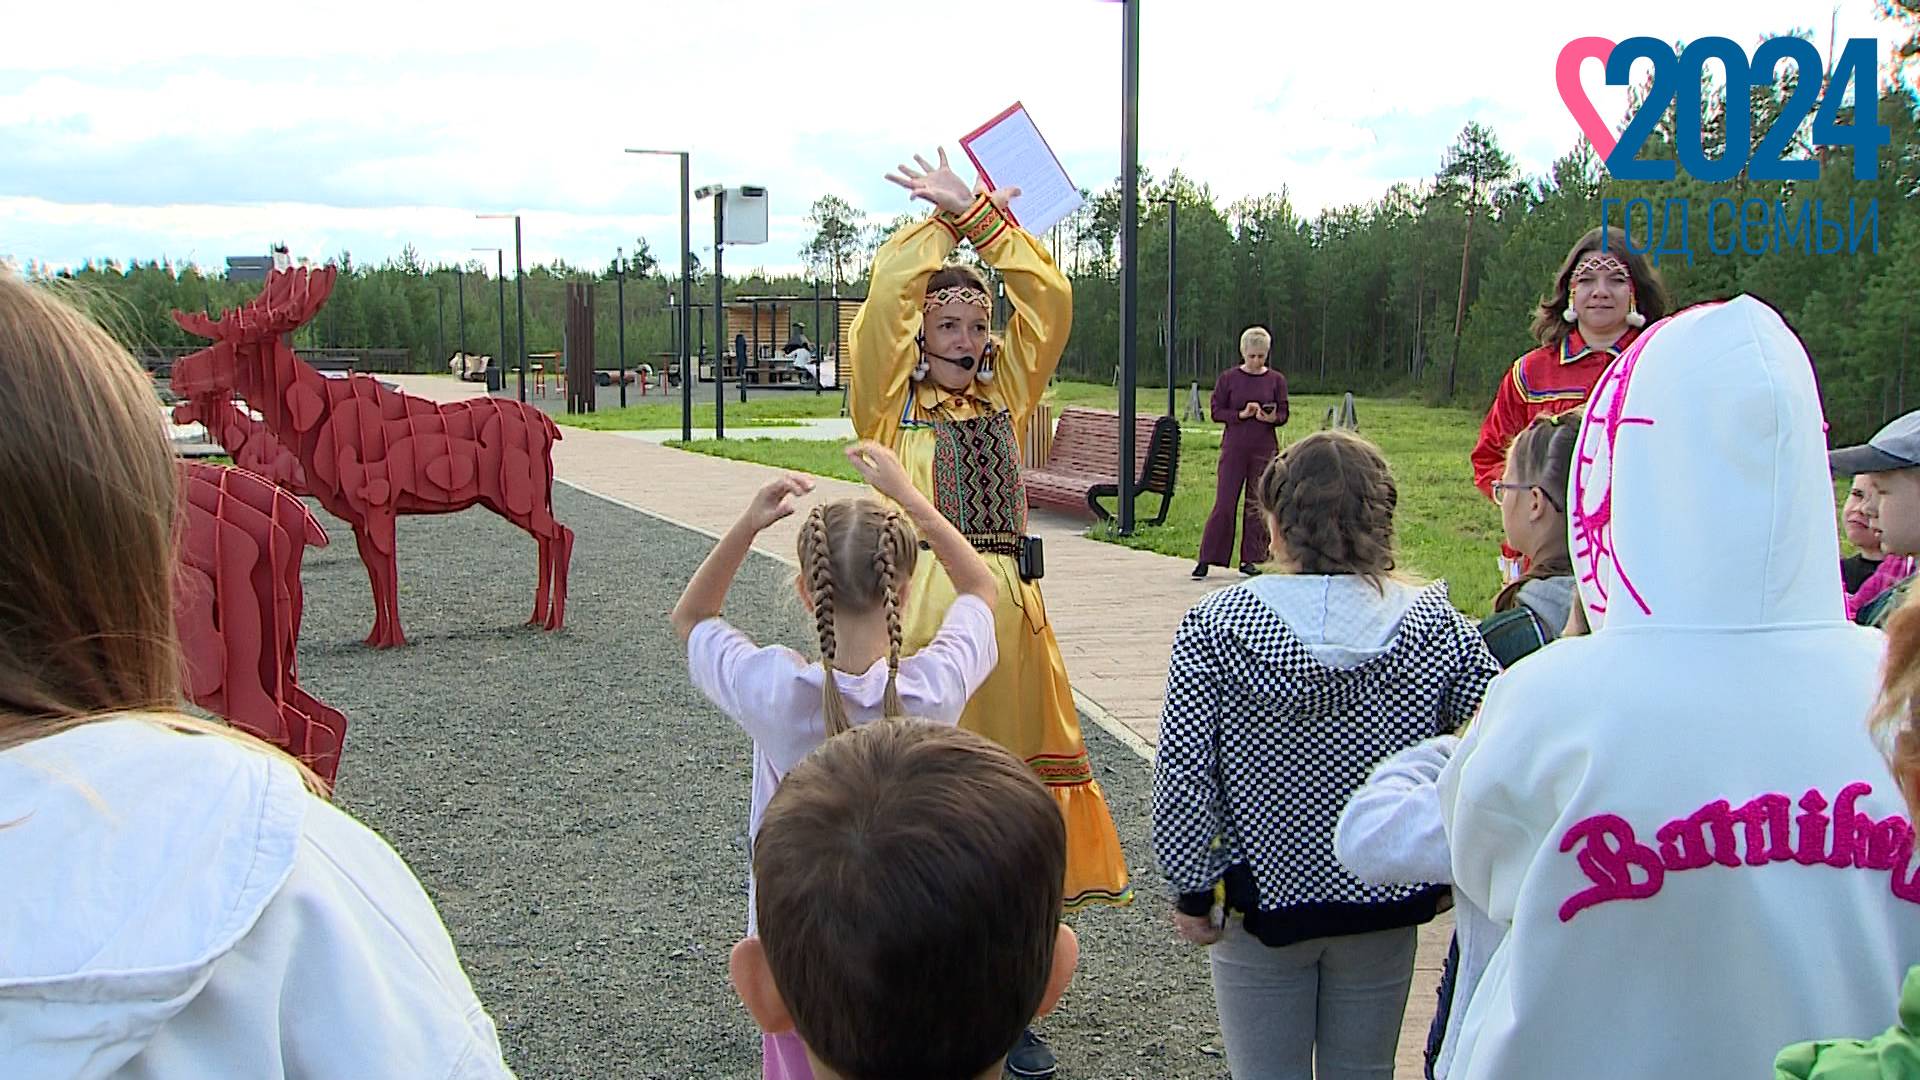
(1129, 245)
(500, 275)
(460, 284)
(440, 338)
(819, 358)
(748, 354)
(1173, 309)
(686, 302)
(719, 320)
(520, 304)
(620, 269)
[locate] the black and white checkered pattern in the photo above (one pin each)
(1261, 745)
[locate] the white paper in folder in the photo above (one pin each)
(1010, 152)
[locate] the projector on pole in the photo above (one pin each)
(739, 217)
(746, 215)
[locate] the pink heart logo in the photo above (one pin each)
(1566, 74)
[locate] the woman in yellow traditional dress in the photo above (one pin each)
(930, 383)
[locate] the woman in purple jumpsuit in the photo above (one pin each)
(1251, 400)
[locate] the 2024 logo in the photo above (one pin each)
(1680, 82)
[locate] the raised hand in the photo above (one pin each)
(878, 466)
(1001, 196)
(775, 501)
(937, 184)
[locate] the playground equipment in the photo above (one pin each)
(372, 453)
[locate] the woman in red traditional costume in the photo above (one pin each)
(1600, 299)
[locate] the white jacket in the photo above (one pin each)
(1648, 810)
(1391, 833)
(180, 906)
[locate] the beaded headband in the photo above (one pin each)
(964, 294)
(1600, 262)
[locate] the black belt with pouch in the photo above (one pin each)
(1031, 559)
(1029, 555)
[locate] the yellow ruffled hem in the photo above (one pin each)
(1096, 865)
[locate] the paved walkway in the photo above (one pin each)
(1114, 610)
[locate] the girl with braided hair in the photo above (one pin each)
(1283, 692)
(857, 561)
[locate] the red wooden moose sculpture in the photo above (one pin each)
(245, 439)
(371, 453)
(237, 602)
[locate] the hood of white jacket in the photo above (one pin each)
(1343, 620)
(1702, 452)
(135, 860)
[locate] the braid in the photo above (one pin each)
(818, 565)
(1332, 499)
(886, 559)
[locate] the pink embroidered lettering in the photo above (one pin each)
(1684, 844)
(1766, 820)
(1610, 855)
(1849, 827)
(1889, 844)
(1813, 830)
(1608, 860)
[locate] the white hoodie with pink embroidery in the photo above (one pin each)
(1681, 820)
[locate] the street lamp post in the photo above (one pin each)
(519, 294)
(1129, 245)
(686, 289)
(620, 295)
(719, 196)
(1173, 311)
(496, 374)
(460, 288)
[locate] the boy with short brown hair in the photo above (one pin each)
(910, 889)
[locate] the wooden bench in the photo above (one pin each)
(1080, 466)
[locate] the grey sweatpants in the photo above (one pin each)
(1337, 999)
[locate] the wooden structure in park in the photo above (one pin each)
(767, 324)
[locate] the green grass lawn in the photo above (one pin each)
(665, 415)
(1446, 528)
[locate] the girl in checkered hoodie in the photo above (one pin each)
(1283, 692)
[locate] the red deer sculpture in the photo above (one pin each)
(371, 453)
(237, 601)
(245, 439)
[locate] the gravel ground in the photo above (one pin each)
(578, 812)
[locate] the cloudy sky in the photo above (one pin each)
(148, 130)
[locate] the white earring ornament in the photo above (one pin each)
(1634, 318)
(1568, 315)
(920, 370)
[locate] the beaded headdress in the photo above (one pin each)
(1601, 262)
(963, 294)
